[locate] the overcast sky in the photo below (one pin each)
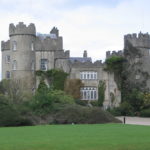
(92, 25)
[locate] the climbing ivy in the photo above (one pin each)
(115, 64)
(101, 92)
(55, 77)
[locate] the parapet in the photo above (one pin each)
(22, 29)
(5, 45)
(88, 64)
(113, 53)
(140, 40)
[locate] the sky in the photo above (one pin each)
(93, 25)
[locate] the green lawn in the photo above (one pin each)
(76, 137)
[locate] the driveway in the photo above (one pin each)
(135, 120)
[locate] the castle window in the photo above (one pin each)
(14, 65)
(89, 93)
(44, 63)
(14, 46)
(91, 75)
(7, 74)
(7, 59)
(32, 46)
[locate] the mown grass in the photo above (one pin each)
(76, 137)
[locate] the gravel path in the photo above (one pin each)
(135, 120)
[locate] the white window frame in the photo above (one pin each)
(89, 93)
(88, 75)
(14, 65)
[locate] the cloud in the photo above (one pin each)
(96, 26)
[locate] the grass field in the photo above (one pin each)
(76, 137)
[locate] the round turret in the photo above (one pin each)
(22, 39)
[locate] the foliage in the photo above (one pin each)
(146, 100)
(101, 92)
(114, 64)
(94, 103)
(145, 112)
(10, 116)
(55, 77)
(80, 114)
(42, 87)
(61, 97)
(14, 90)
(44, 102)
(73, 86)
(81, 102)
(136, 99)
(41, 103)
(125, 109)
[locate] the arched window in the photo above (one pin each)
(14, 65)
(32, 46)
(14, 46)
(7, 74)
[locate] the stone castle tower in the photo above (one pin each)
(137, 54)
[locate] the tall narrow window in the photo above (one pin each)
(32, 46)
(14, 65)
(14, 46)
(7, 59)
(44, 63)
(7, 74)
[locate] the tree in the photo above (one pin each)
(73, 86)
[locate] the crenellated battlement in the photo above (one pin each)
(113, 53)
(137, 40)
(5, 45)
(22, 29)
(88, 64)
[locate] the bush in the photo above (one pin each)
(145, 113)
(81, 102)
(82, 115)
(11, 117)
(59, 96)
(124, 110)
(95, 103)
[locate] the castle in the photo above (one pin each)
(26, 52)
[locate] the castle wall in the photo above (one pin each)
(137, 54)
